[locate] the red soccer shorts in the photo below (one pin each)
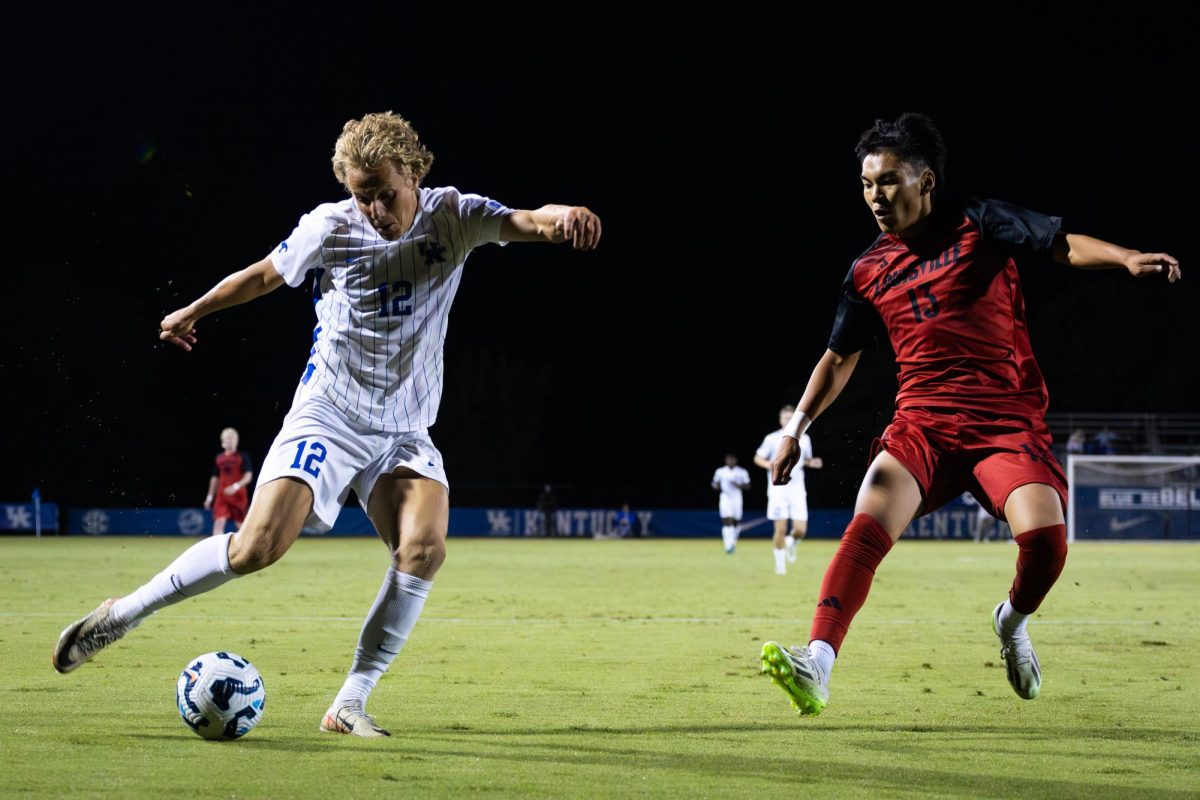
(967, 451)
(233, 508)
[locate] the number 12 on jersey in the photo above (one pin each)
(317, 453)
(401, 291)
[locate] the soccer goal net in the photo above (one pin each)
(1133, 497)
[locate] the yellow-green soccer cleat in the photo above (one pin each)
(794, 671)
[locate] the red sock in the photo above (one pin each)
(1043, 553)
(848, 578)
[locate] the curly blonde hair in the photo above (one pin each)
(376, 138)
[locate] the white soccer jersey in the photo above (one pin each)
(728, 480)
(382, 306)
(768, 449)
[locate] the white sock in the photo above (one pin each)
(823, 654)
(390, 621)
(789, 540)
(734, 532)
(727, 536)
(1012, 622)
(202, 567)
(780, 560)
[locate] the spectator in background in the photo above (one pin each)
(1078, 442)
(624, 524)
(1106, 442)
(547, 504)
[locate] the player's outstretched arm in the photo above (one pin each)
(554, 224)
(179, 327)
(1086, 252)
(824, 385)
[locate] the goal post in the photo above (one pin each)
(1133, 497)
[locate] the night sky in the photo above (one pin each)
(146, 159)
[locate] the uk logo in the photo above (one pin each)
(434, 253)
(18, 517)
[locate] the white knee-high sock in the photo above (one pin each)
(734, 532)
(202, 567)
(727, 536)
(390, 621)
(1012, 622)
(780, 560)
(824, 654)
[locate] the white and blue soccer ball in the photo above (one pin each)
(220, 695)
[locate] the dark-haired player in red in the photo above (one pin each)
(228, 494)
(970, 412)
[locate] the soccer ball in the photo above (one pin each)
(220, 695)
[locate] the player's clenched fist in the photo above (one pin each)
(178, 328)
(580, 227)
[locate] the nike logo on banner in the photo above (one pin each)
(1119, 525)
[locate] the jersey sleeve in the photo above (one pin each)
(1013, 229)
(301, 251)
(247, 464)
(478, 217)
(764, 450)
(716, 477)
(856, 325)
(216, 469)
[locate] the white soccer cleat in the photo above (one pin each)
(352, 719)
(1020, 660)
(83, 638)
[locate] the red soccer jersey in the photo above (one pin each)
(953, 310)
(229, 469)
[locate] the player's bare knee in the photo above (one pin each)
(256, 547)
(420, 557)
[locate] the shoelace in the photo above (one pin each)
(347, 715)
(101, 635)
(1016, 649)
(803, 663)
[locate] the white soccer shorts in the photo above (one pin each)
(730, 507)
(319, 446)
(784, 502)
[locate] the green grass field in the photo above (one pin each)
(613, 669)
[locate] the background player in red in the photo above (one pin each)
(228, 494)
(970, 411)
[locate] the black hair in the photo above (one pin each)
(914, 138)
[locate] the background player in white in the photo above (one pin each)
(729, 481)
(985, 527)
(789, 501)
(385, 264)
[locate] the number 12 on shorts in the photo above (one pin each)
(316, 455)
